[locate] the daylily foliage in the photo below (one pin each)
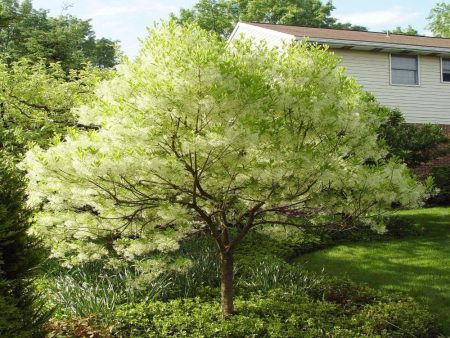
(199, 136)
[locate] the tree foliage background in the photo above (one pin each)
(440, 20)
(31, 33)
(221, 16)
(36, 102)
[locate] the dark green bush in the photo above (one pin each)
(412, 143)
(276, 314)
(441, 177)
(21, 314)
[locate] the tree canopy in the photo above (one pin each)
(221, 16)
(440, 20)
(405, 31)
(200, 137)
(36, 101)
(31, 33)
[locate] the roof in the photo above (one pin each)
(359, 38)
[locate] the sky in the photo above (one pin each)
(126, 20)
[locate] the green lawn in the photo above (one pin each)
(418, 266)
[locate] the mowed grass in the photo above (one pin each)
(418, 266)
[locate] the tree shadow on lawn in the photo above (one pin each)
(419, 266)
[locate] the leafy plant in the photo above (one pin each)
(222, 15)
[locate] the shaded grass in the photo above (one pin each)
(418, 265)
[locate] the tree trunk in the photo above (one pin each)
(226, 279)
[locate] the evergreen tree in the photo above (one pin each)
(20, 254)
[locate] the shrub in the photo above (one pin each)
(441, 177)
(345, 292)
(411, 143)
(20, 254)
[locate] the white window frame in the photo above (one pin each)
(442, 70)
(418, 71)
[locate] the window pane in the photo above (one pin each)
(400, 76)
(446, 77)
(404, 62)
(446, 65)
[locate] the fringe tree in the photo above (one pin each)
(200, 136)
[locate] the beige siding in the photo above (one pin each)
(427, 103)
(273, 38)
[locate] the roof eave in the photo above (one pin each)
(379, 46)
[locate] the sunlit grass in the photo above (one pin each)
(418, 266)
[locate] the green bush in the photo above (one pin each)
(412, 143)
(21, 313)
(441, 177)
(274, 314)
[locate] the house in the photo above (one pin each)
(411, 73)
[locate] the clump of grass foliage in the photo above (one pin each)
(95, 289)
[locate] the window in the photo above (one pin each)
(404, 70)
(446, 70)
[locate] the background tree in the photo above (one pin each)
(214, 15)
(440, 20)
(407, 31)
(31, 33)
(20, 254)
(36, 102)
(200, 137)
(221, 16)
(5, 19)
